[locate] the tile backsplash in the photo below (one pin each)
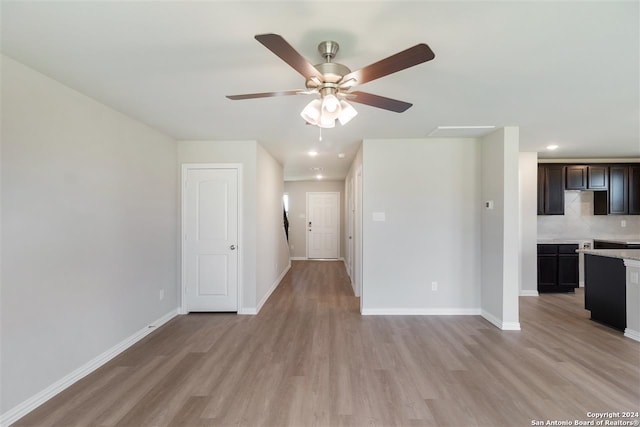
(579, 222)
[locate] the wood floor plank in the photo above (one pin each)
(310, 359)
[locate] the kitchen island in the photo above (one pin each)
(612, 288)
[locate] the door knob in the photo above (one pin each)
(232, 247)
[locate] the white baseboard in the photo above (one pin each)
(630, 333)
(528, 293)
(38, 399)
(420, 311)
(304, 258)
(505, 326)
(274, 286)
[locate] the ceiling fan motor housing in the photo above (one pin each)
(332, 72)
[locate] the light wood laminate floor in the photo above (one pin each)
(310, 359)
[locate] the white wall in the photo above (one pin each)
(297, 191)
(500, 228)
(528, 223)
(88, 230)
(429, 191)
(272, 252)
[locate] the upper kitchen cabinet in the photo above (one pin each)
(551, 185)
(624, 190)
(597, 177)
(619, 190)
(587, 177)
(576, 177)
(634, 190)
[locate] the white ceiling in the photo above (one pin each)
(565, 72)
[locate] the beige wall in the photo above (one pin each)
(297, 191)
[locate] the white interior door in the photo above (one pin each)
(323, 225)
(350, 227)
(357, 234)
(210, 232)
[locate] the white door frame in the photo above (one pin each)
(183, 280)
(306, 224)
(357, 235)
(350, 229)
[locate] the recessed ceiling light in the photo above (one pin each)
(552, 147)
(312, 153)
(341, 155)
(318, 176)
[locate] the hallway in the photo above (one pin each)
(309, 358)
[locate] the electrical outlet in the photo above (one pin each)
(434, 286)
(292, 247)
(623, 223)
(161, 295)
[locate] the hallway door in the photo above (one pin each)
(323, 225)
(210, 239)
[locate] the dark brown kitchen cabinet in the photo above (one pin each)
(624, 190)
(618, 190)
(551, 185)
(587, 177)
(634, 190)
(557, 267)
(576, 177)
(597, 177)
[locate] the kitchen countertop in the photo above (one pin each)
(621, 240)
(625, 240)
(614, 253)
(562, 241)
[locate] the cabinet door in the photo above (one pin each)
(618, 190)
(568, 270)
(576, 177)
(541, 173)
(554, 190)
(597, 177)
(547, 272)
(634, 190)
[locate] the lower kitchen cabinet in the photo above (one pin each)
(557, 268)
(605, 293)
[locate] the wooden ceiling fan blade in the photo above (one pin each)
(402, 60)
(380, 102)
(266, 94)
(278, 45)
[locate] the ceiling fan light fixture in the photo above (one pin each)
(311, 113)
(330, 104)
(326, 121)
(347, 112)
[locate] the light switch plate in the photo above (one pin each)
(379, 216)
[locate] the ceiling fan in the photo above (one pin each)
(335, 82)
